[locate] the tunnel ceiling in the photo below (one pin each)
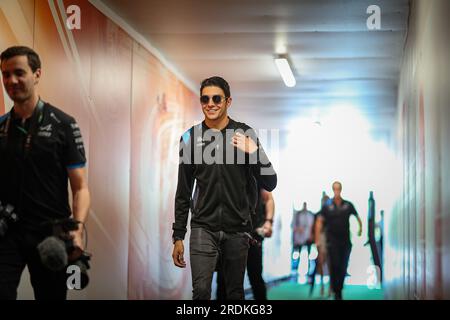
(337, 59)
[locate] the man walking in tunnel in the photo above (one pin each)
(335, 218)
(225, 193)
(41, 150)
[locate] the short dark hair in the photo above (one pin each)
(216, 82)
(337, 182)
(33, 58)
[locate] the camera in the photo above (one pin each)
(58, 251)
(7, 217)
(256, 237)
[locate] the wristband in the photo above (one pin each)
(174, 239)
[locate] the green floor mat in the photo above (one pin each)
(293, 291)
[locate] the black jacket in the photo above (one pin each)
(222, 174)
(337, 221)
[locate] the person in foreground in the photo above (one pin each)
(226, 162)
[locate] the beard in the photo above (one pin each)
(19, 96)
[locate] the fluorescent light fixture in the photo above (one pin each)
(285, 71)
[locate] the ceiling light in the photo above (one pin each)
(285, 70)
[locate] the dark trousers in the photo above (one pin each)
(17, 250)
(338, 256)
(254, 273)
(206, 247)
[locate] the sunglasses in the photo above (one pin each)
(215, 98)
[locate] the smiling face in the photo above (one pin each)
(19, 79)
(214, 110)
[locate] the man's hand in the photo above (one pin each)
(243, 143)
(267, 228)
(78, 238)
(178, 254)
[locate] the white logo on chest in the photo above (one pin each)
(200, 142)
(45, 131)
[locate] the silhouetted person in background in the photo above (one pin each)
(322, 257)
(302, 232)
(335, 217)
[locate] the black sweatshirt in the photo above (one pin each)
(222, 173)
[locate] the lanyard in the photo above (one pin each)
(36, 119)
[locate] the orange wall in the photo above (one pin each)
(132, 111)
(2, 105)
(158, 117)
(16, 26)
